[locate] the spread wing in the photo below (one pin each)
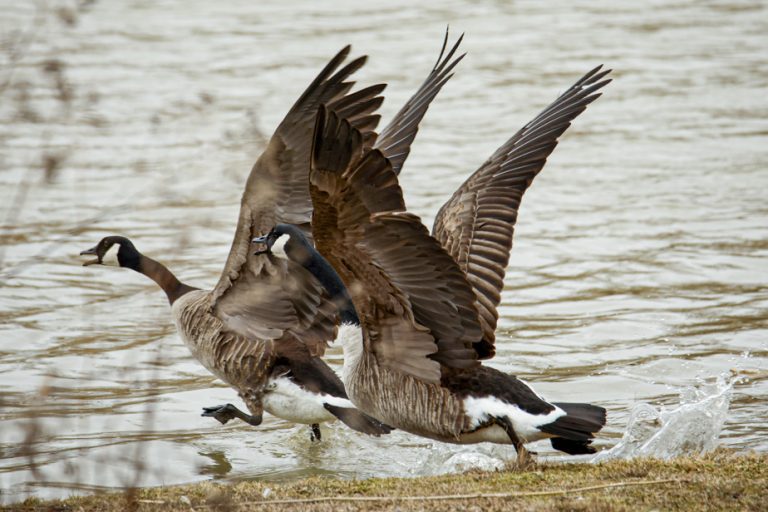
(476, 224)
(395, 140)
(414, 303)
(277, 192)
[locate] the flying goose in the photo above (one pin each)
(427, 305)
(265, 324)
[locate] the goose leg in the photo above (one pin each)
(224, 413)
(522, 452)
(315, 435)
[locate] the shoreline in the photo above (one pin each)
(721, 480)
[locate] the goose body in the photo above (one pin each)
(427, 304)
(466, 406)
(303, 398)
(241, 362)
(279, 375)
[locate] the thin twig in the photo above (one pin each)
(22, 44)
(447, 497)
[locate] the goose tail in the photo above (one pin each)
(359, 421)
(573, 432)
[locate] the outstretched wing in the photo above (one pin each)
(277, 192)
(414, 303)
(395, 140)
(477, 223)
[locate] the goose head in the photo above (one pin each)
(127, 255)
(289, 242)
(286, 241)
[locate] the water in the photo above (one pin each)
(690, 428)
(639, 268)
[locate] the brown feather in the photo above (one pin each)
(477, 223)
(395, 140)
(414, 302)
(257, 296)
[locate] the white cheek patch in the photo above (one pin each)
(278, 248)
(110, 258)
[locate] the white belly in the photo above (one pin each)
(492, 434)
(285, 399)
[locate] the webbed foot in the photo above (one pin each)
(315, 434)
(224, 413)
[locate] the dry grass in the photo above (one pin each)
(721, 481)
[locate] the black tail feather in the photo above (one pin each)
(572, 447)
(359, 421)
(574, 431)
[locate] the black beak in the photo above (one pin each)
(261, 240)
(91, 252)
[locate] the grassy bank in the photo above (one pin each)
(721, 481)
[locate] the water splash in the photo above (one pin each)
(452, 461)
(691, 428)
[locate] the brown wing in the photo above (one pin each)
(412, 298)
(395, 140)
(277, 192)
(276, 299)
(476, 224)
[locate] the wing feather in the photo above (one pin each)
(395, 140)
(477, 223)
(413, 300)
(256, 294)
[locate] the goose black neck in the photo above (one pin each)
(302, 252)
(129, 257)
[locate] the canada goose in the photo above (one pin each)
(262, 328)
(273, 367)
(427, 306)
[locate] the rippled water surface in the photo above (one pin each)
(640, 265)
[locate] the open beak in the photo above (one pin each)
(91, 252)
(261, 240)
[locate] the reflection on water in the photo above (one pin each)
(639, 265)
(219, 466)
